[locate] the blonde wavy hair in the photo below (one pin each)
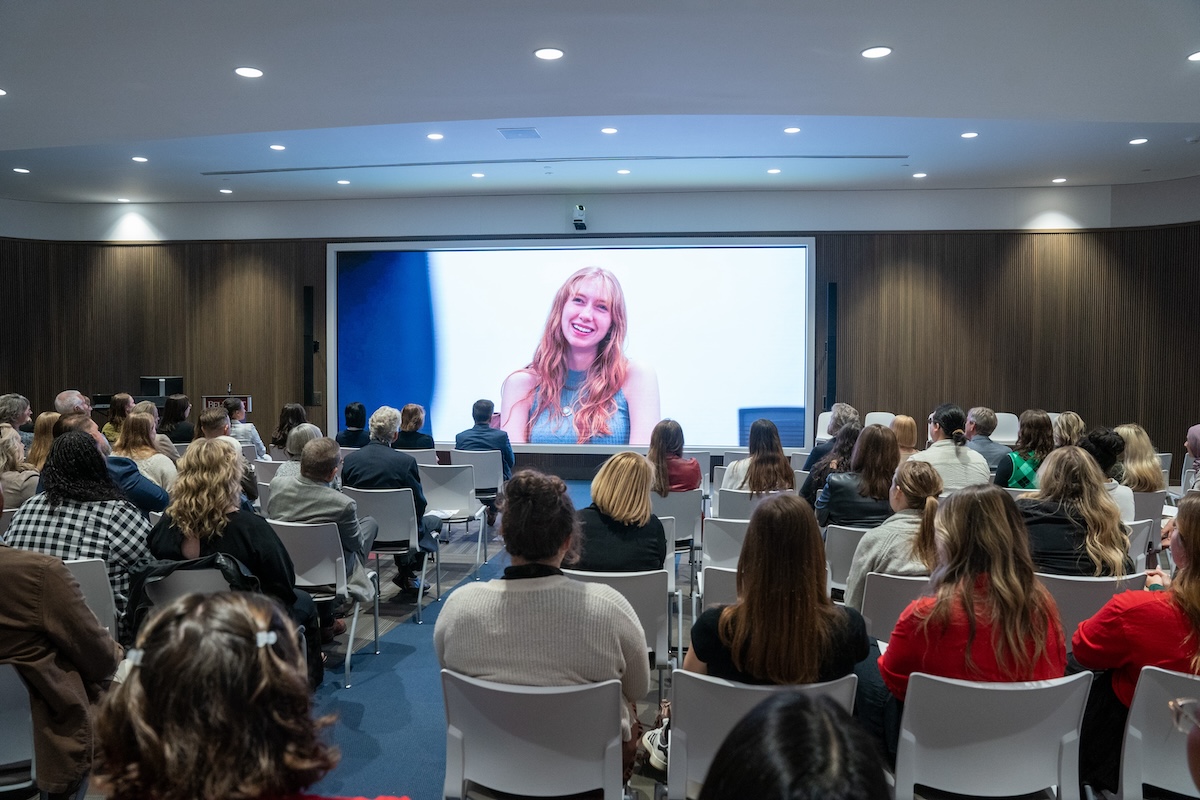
(12, 454)
(1071, 478)
(207, 489)
(137, 437)
(1068, 427)
(1143, 469)
(621, 489)
(43, 437)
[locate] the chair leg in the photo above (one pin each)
(350, 645)
(376, 612)
(421, 587)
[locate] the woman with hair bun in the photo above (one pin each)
(958, 464)
(904, 543)
(215, 707)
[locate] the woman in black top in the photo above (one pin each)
(174, 422)
(619, 532)
(412, 418)
(861, 496)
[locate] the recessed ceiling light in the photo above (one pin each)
(140, 159)
(920, 175)
(622, 172)
(608, 130)
(21, 170)
(876, 52)
(227, 191)
(969, 135)
(343, 183)
(791, 130)
(1059, 180)
(122, 199)
(435, 136)
(773, 171)
(1139, 140)
(1194, 57)
(249, 72)
(278, 147)
(477, 175)
(548, 53)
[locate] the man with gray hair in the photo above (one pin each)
(15, 411)
(840, 415)
(981, 421)
(70, 401)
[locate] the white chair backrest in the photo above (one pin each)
(450, 488)
(730, 456)
(686, 507)
(740, 504)
(668, 564)
(1149, 505)
(798, 458)
(185, 581)
(16, 730)
(723, 542)
(1017, 492)
(488, 464)
(92, 574)
(704, 458)
(543, 740)
(316, 552)
(5, 520)
(393, 509)
(348, 450)
(266, 470)
(1079, 598)
(1013, 738)
(718, 479)
(428, 457)
(883, 418)
(647, 593)
(1187, 475)
(1140, 531)
(248, 452)
(798, 478)
(884, 599)
(264, 496)
(275, 452)
(1154, 752)
(1007, 427)
(821, 434)
(705, 709)
(181, 447)
(840, 543)
(718, 586)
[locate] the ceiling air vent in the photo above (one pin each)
(519, 133)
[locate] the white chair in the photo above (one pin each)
(532, 740)
(1154, 752)
(316, 552)
(1007, 427)
(1187, 474)
(884, 599)
(279, 454)
(1079, 598)
(991, 739)
(1149, 505)
(722, 543)
(1165, 459)
(450, 492)
(1140, 541)
(704, 458)
(798, 458)
(348, 450)
(266, 470)
(1016, 493)
(5, 520)
(181, 447)
(799, 477)
(92, 574)
(730, 456)
(705, 709)
(399, 530)
(821, 434)
(718, 587)
(264, 496)
(740, 504)
(883, 418)
(840, 543)
(17, 769)
(427, 457)
(488, 466)
(249, 453)
(688, 510)
(163, 589)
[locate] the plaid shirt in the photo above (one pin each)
(112, 530)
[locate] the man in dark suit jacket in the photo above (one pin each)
(485, 437)
(378, 466)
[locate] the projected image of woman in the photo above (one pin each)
(580, 388)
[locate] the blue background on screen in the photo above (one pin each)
(386, 333)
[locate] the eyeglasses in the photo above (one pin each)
(1183, 713)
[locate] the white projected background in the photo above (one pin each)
(723, 327)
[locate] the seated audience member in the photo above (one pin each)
(1142, 466)
(1035, 440)
(904, 543)
(987, 618)
(1068, 427)
(138, 489)
(310, 497)
(291, 415)
(244, 432)
(205, 518)
(619, 532)
(1074, 525)
(65, 659)
(299, 436)
(1159, 627)
(174, 423)
(215, 706)
(958, 465)
(18, 478)
(119, 407)
(484, 437)
(356, 421)
(162, 442)
(214, 423)
(905, 428)
(767, 468)
(535, 626)
(412, 419)
(1192, 446)
(1105, 447)
(43, 435)
(72, 401)
(82, 514)
(672, 472)
(136, 443)
(837, 459)
(15, 411)
(840, 415)
(859, 497)
(795, 746)
(981, 424)
(378, 466)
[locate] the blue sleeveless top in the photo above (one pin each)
(547, 430)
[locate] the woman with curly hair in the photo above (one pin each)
(291, 415)
(215, 707)
(580, 388)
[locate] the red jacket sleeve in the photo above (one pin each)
(905, 652)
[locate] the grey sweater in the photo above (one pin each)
(886, 549)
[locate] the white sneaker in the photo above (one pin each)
(657, 746)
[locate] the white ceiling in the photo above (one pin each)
(700, 92)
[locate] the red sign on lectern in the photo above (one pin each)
(218, 400)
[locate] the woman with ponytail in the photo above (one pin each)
(903, 544)
(958, 464)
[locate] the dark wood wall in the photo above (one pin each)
(1098, 322)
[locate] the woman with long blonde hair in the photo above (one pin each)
(580, 388)
(43, 437)
(905, 428)
(1143, 468)
(1074, 524)
(18, 478)
(619, 532)
(137, 442)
